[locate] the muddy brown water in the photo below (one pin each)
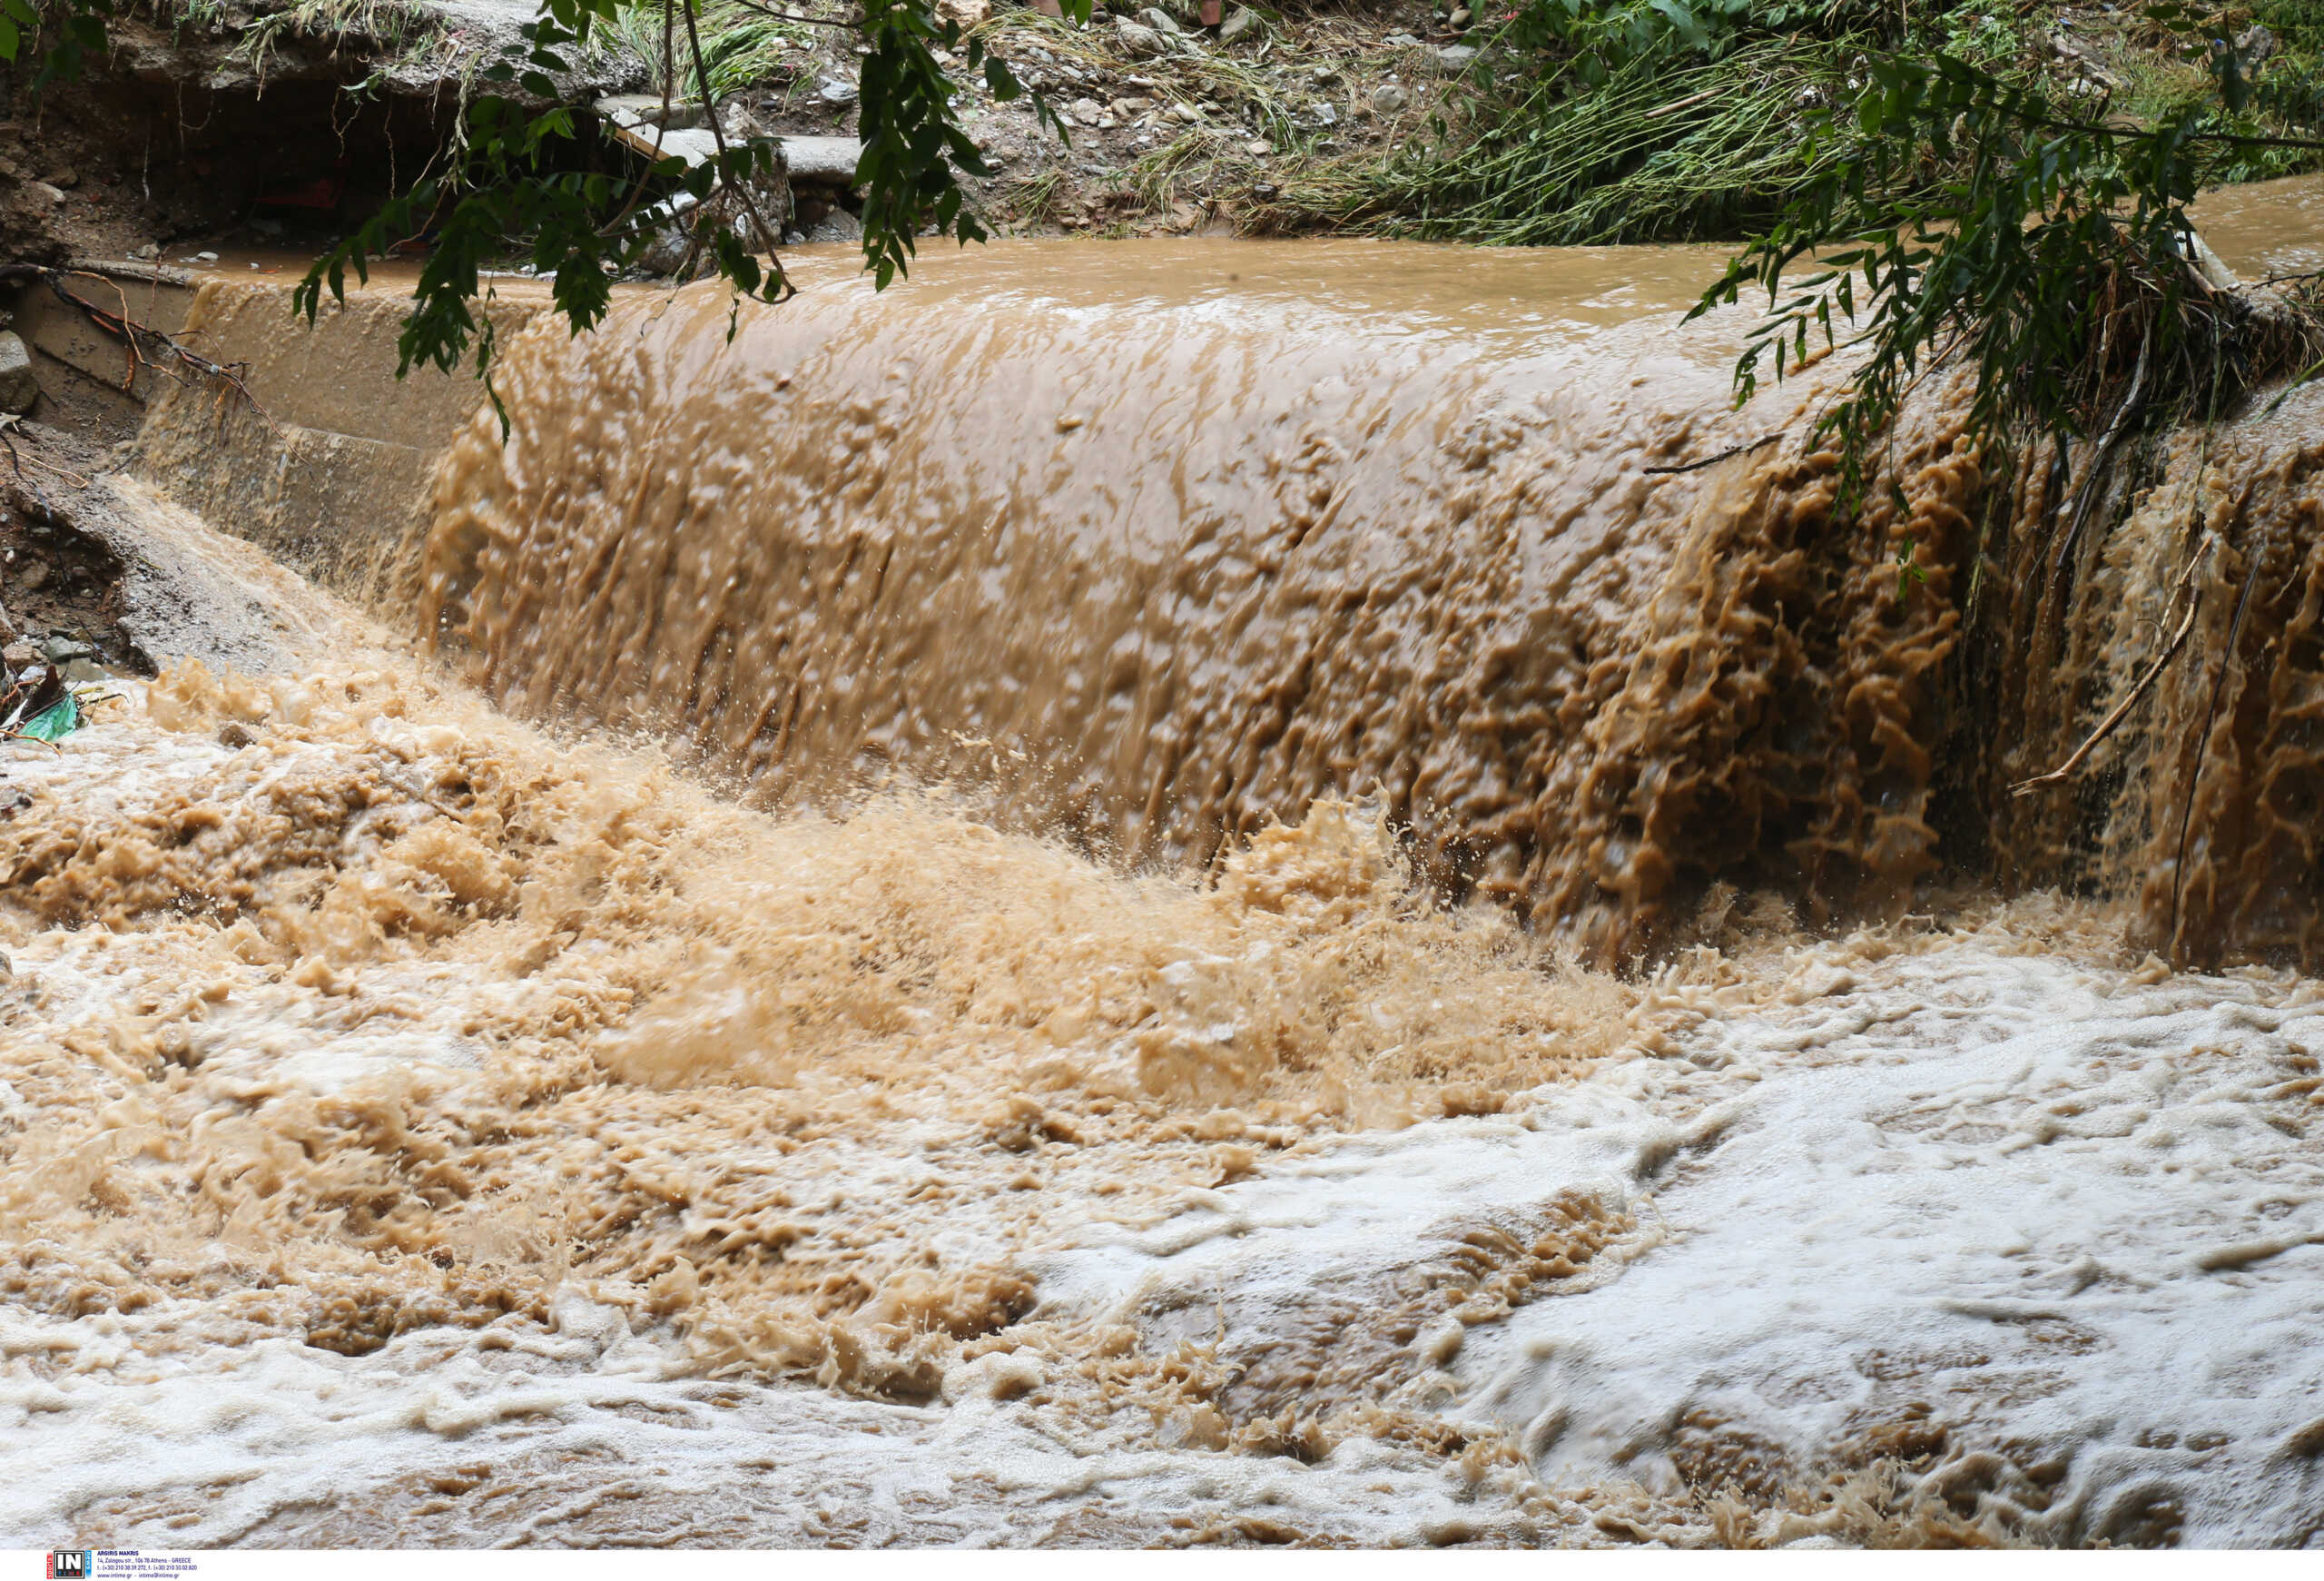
(983, 1053)
(1151, 547)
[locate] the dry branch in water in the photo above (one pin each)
(2106, 726)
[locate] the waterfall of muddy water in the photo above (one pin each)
(416, 1127)
(1150, 547)
(2206, 808)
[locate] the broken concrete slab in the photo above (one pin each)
(19, 384)
(822, 161)
(809, 161)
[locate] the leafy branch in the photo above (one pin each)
(1958, 214)
(513, 175)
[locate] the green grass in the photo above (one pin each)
(1666, 150)
(741, 49)
(391, 29)
(1197, 163)
(1032, 200)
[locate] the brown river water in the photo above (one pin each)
(1157, 894)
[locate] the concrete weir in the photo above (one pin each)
(326, 465)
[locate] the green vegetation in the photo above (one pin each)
(743, 46)
(511, 176)
(1601, 121)
(1984, 181)
(1684, 146)
(2000, 183)
(1957, 214)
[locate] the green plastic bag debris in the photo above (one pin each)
(56, 721)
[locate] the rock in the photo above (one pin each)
(1258, 150)
(836, 92)
(965, 13)
(1399, 41)
(32, 578)
(669, 249)
(1459, 19)
(1138, 41)
(147, 253)
(1455, 58)
(19, 385)
(1186, 113)
(821, 162)
(646, 110)
(1388, 98)
(234, 735)
(1325, 115)
(17, 655)
(80, 672)
(1161, 22)
(839, 225)
(1088, 112)
(1240, 21)
(54, 194)
(62, 650)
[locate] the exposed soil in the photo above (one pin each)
(56, 580)
(247, 126)
(230, 135)
(1208, 134)
(240, 129)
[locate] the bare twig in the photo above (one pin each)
(787, 16)
(2100, 457)
(771, 237)
(1726, 454)
(1675, 107)
(17, 460)
(2120, 711)
(669, 86)
(128, 330)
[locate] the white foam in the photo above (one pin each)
(213, 1443)
(2059, 1210)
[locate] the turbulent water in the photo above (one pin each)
(1157, 545)
(1099, 1031)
